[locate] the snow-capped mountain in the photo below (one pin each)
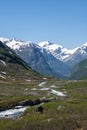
(79, 55)
(70, 57)
(4, 39)
(12, 67)
(56, 50)
(48, 58)
(39, 58)
(30, 53)
(17, 44)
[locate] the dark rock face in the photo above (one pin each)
(29, 102)
(40, 109)
(26, 103)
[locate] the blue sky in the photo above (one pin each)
(59, 21)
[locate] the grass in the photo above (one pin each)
(65, 113)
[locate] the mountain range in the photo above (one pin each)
(48, 58)
(12, 67)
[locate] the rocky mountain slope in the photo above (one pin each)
(39, 58)
(70, 57)
(48, 58)
(56, 50)
(79, 55)
(12, 67)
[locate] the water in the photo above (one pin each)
(13, 113)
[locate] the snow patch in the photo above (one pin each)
(34, 89)
(3, 72)
(58, 93)
(28, 80)
(53, 86)
(44, 89)
(41, 84)
(3, 62)
(1, 76)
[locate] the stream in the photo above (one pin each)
(19, 109)
(13, 113)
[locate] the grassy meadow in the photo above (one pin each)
(65, 113)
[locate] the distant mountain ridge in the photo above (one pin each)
(48, 58)
(79, 55)
(56, 50)
(70, 57)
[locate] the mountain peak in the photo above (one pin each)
(16, 44)
(44, 44)
(84, 45)
(50, 46)
(4, 39)
(56, 50)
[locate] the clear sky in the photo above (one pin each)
(59, 21)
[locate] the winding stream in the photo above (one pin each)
(19, 110)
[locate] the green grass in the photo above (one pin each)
(65, 113)
(80, 71)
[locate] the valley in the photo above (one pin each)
(43, 65)
(32, 101)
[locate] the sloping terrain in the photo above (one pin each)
(80, 71)
(12, 67)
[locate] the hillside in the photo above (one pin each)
(12, 67)
(80, 71)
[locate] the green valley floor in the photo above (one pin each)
(66, 110)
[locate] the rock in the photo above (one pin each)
(40, 109)
(26, 103)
